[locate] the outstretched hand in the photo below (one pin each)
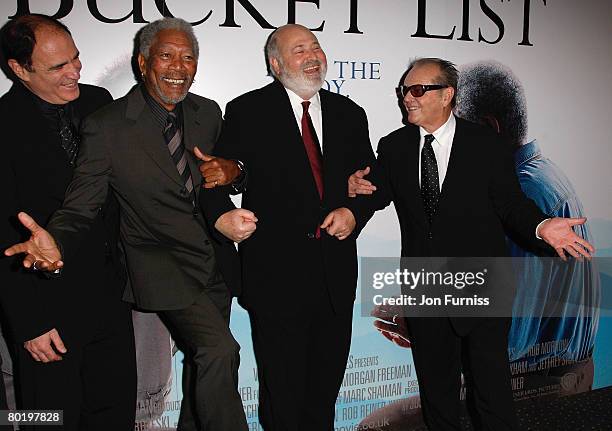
(558, 233)
(41, 251)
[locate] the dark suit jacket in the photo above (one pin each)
(34, 174)
(281, 261)
(169, 254)
(480, 197)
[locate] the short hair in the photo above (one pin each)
(488, 88)
(448, 72)
(271, 50)
(19, 37)
(149, 32)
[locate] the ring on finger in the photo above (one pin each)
(34, 268)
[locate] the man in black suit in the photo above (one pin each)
(455, 192)
(142, 150)
(74, 343)
(299, 144)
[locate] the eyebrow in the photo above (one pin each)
(60, 65)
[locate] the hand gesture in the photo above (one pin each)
(237, 224)
(359, 186)
(41, 250)
(558, 233)
(215, 170)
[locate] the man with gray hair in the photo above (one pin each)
(144, 149)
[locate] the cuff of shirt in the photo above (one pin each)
(538, 228)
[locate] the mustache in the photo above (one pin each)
(311, 63)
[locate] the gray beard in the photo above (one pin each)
(300, 84)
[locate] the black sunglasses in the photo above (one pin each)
(417, 90)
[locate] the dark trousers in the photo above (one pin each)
(95, 382)
(210, 371)
(301, 361)
(440, 355)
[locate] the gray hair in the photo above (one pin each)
(149, 32)
(448, 72)
(489, 88)
(271, 50)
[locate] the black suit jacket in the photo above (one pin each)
(480, 197)
(282, 262)
(169, 254)
(480, 200)
(34, 174)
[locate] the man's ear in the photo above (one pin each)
(21, 72)
(275, 65)
(142, 64)
(448, 96)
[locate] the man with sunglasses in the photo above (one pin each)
(455, 192)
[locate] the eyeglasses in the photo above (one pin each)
(417, 90)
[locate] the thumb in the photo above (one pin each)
(57, 342)
(202, 156)
(246, 214)
(328, 220)
(366, 171)
(28, 222)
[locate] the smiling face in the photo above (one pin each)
(56, 67)
(433, 108)
(169, 70)
(301, 64)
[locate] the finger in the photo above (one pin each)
(587, 245)
(386, 326)
(246, 214)
(328, 221)
(576, 221)
(17, 248)
(48, 352)
(202, 156)
(35, 356)
(561, 253)
(28, 222)
(571, 251)
(58, 343)
(363, 182)
(388, 336)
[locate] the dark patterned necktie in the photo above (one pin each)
(68, 136)
(313, 150)
(174, 138)
(430, 185)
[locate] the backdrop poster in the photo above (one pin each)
(559, 51)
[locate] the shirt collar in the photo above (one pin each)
(159, 112)
(296, 101)
(526, 152)
(444, 133)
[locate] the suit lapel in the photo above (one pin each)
(151, 137)
(411, 178)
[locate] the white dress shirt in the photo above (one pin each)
(314, 110)
(442, 145)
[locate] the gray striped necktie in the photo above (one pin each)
(174, 138)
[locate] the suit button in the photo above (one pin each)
(206, 242)
(310, 235)
(430, 235)
(183, 191)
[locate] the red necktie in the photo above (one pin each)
(311, 144)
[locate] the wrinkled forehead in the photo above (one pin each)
(290, 37)
(427, 73)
